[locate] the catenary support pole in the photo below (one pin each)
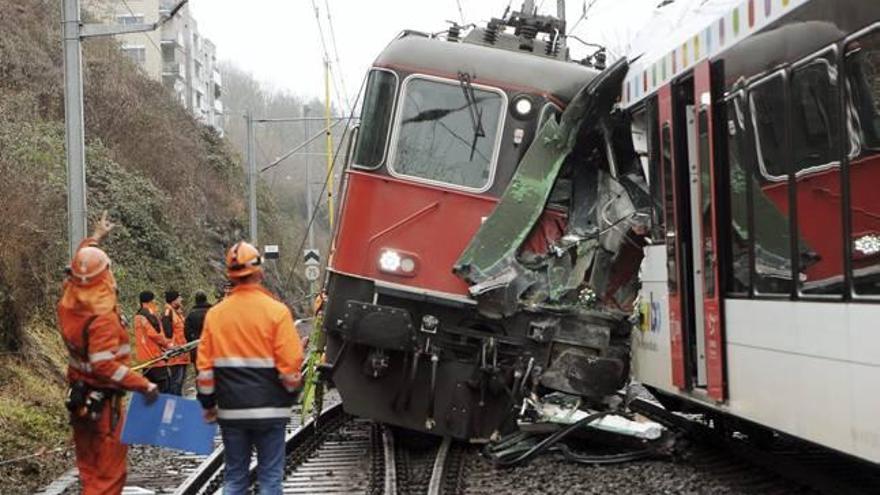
(309, 204)
(73, 118)
(328, 116)
(252, 178)
(560, 10)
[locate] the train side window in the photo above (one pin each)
(375, 119)
(736, 264)
(442, 137)
(706, 202)
(669, 205)
(646, 140)
(767, 103)
(815, 133)
(771, 229)
(863, 101)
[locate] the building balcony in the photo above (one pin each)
(173, 69)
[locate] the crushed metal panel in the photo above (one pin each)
(493, 249)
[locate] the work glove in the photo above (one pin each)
(152, 393)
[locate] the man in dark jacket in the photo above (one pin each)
(192, 326)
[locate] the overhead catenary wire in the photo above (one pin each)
(326, 54)
(346, 97)
(319, 201)
(460, 12)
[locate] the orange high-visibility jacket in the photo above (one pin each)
(99, 348)
(178, 336)
(249, 358)
(150, 342)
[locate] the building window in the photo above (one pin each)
(736, 267)
(138, 54)
(131, 19)
(444, 136)
(376, 118)
(772, 233)
(863, 85)
(815, 134)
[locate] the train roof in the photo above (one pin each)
(488, 65)
(673, 47)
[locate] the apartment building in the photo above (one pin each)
(176, 54)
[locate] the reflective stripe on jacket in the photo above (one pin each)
(109, 351)
(249, 358)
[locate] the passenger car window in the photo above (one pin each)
(375, 119)
(767, 104)
(815, 134)
(445, 138)
(738, 235)
(814, 131)
(863, 85)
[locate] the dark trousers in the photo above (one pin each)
(178, 373)
(162, 377)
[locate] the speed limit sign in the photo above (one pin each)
(312, 273)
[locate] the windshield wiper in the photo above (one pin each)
(464, 80)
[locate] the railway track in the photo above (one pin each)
(340, 454)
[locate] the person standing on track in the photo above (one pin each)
(150, 342)
(98, 372)
(172, 322)
(249, 371)
(194, 322)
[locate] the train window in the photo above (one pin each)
(736, 265)
(646, 142)
(375, 119)
(771, 229)
(767, 102)
(815, 133)
(863, 84)
(706, 204)
(445, 136)
(669, 193)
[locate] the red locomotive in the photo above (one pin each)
(488, 240)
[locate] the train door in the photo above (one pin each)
(687, 153)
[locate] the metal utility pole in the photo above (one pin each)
(560, 10)
(328, 116)
(309, 204)
(251, 178)
(74, 122)
(74, 31)
(528, 7)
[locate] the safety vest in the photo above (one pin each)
(249, 358)
(150, 342)
(178, 336)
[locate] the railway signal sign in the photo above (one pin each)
(312, 272)
(311, 257)
(270, 252)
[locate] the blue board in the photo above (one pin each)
(171, 421)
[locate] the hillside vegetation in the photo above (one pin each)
(172, 185)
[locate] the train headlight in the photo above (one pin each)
(397, 262)
(523, 107)
(389, 261)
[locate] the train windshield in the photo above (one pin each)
(378, 103)
(447, 133)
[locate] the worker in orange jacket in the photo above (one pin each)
(150, 342)
(249, 363)
(173, 323)
(98, 371)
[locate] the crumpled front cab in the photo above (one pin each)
(454, 293)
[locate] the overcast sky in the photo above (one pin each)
(279, 42)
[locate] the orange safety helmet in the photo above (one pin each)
(243, 259)
(88, 263)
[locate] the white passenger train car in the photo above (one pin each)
(759, 123)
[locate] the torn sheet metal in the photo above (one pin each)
(565, 410)
(494, 248)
